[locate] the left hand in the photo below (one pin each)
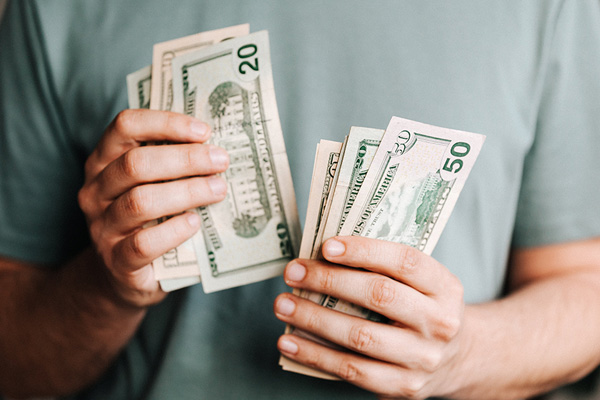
(412, 356)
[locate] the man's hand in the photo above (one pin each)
(541, 335)
(92, 305)
(127, 185)
(410, 357)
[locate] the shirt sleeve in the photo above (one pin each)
(559, 199)
(41, 169)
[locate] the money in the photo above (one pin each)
(325, 175)
(410, 189)
(163, 54)
(361, 145)
(138, 88)
(327, 196)
(255, 232)
(321, 188)
(413, 184)
(398, 185)
(178, 267)
(324, 169)
(326, 209)
(407, 195)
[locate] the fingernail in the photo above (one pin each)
(287, 346)
(199, 129)
(333, 248)
(295, 271)
(193, 219)
(285, 306)
(218, 156)
(217, 185)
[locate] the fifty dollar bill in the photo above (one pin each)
(407, 195)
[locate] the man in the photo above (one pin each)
(84, 316)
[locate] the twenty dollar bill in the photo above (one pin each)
(255, 232)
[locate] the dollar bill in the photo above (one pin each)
(321, 187)
(361, 145)
(325, 175)
(360, 148)
(326, 209)
(410, 189)
(178, 267)
(255, 232)
(407, 195)
(138, 88)
(413, 184)
(163, 54)
(323, 211)
(326, 163)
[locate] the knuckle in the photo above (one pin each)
(313, 359)
(136, 202)
(414, 387)
(96, 230)
(140, 245)
(452, 326)
(349, 371)
(171, 121)
(456, 288)
(381, 292)
(313, 321)
(190, 162)
(406, 258)
(84, 199)
(327, 280)
(361, 338)
(133, 163)
(125, 120)
(431, 360)
(446, 327)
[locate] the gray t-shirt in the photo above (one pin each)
(525, 74)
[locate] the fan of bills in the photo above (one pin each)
(399, 185)
(223, 77)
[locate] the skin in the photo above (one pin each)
(60, 328)
(436, 345)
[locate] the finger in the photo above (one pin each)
(159, 163)
(372, 291)
(144, 246)
(146, 203)
(398, 261)
(379, 341)
(375, 376)
(131, 128)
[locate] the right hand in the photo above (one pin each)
(128, 185)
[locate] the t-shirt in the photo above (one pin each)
(525, 74)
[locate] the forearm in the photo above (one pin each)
(539, 337)
(60, 329)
